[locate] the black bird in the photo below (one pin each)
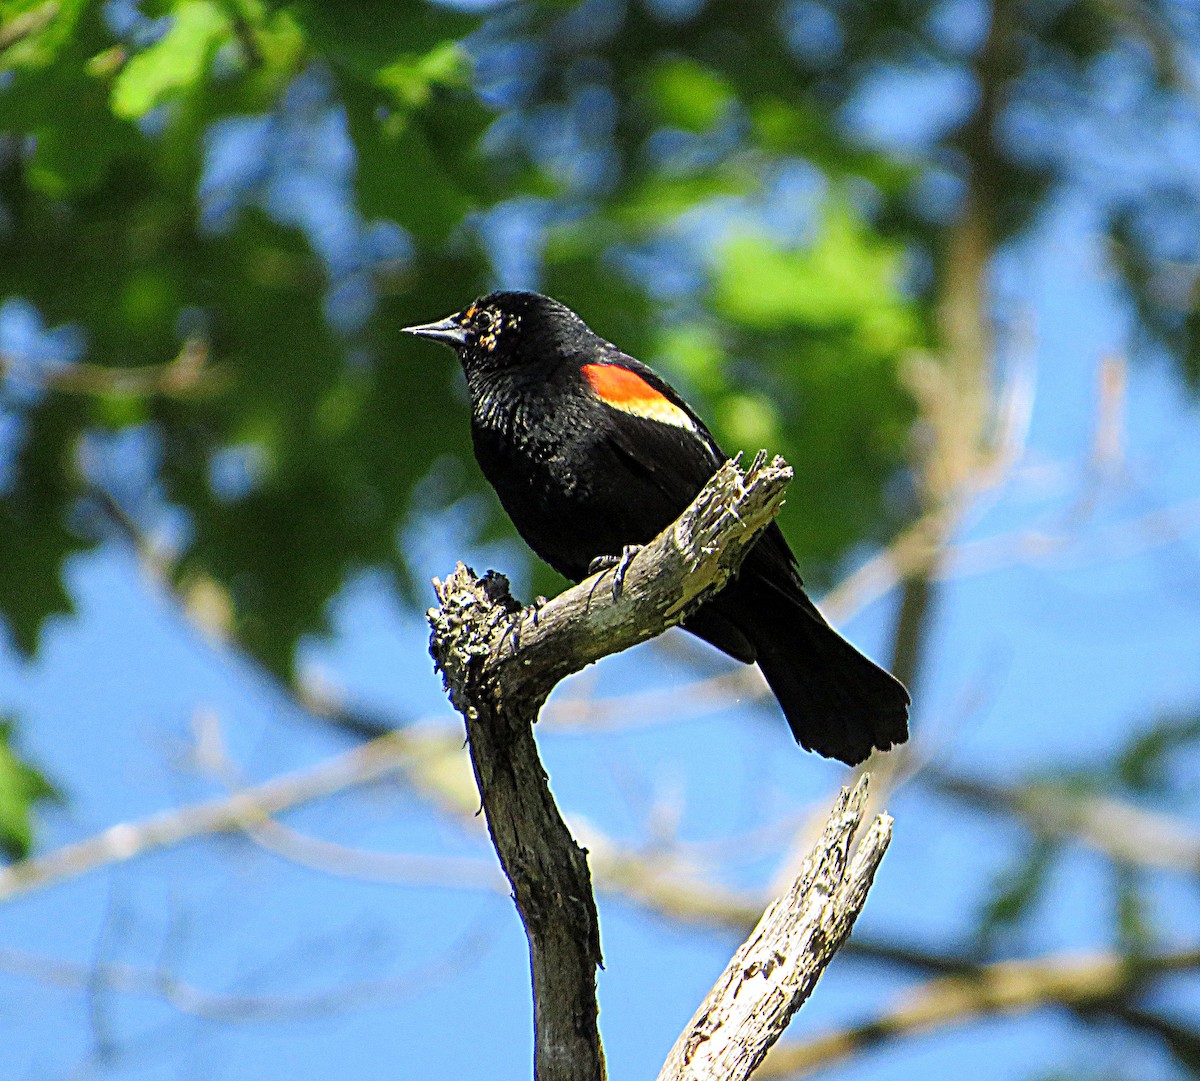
(590, 451)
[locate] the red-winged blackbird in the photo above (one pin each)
(590, 451)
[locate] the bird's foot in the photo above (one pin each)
(527, 617)
(621, 562)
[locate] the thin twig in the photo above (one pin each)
(187, 375)
(241, 811)
(28, 23)
(122, 978)
(1064, 980)
(1122, 831)
(329, 857)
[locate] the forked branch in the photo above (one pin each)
(500, 661)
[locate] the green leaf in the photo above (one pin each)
(1142, 764)
(846, 276)
(76, 138)
(34, 542)
(824, 329)
(1018, 889)
(31, 590)
(174, 64)
(689, 95)
(411, 79)
(35, 30)
(366, 36)
(659, 199)
(405, 171)
(22, 787)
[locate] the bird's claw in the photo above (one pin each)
(529, 614)
(621, 562)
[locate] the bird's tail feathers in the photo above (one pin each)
(837, 701)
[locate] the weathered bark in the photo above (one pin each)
(778, 966)
(500, 661)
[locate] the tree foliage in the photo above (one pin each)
(289, 183)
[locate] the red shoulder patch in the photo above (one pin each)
(626, 390)
(619, 386)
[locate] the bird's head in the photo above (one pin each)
(507, 330)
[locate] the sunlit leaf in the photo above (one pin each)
(690, 96)
(22, 788)
(174, 63)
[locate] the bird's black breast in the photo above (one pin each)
(580, 479)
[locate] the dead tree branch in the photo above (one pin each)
(501, 661)
(483, 640)
(778, 966)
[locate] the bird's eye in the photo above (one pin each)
(486, 324)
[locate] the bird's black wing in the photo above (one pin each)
(666, 465)
(836, 700)
(681, 462)
(614, 356)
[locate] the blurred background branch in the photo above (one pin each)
(1102, 982)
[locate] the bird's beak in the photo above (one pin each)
(448, 330)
